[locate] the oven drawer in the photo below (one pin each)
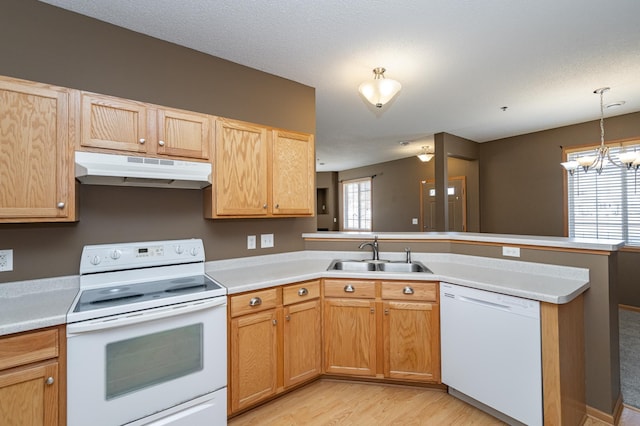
(255, 301)
(300, 292)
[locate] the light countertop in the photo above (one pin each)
(29, 305)
(518, 240)
(546, 283)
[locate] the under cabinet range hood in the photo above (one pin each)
(122, 170)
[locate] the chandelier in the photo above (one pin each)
(380, 90)
(602, 154)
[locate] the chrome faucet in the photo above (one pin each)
(407, 250)
(374, 247)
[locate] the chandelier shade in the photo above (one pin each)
(602, 155)
(379, 90)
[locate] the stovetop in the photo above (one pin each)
(126, 294)
(130, 277)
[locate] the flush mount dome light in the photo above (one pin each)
(380, 90)
(425, 155)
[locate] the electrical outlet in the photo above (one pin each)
(414, 221)
(251, 242)
(6, 260)
(511, 251)
(266, 240)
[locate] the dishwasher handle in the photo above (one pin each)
(483, 302)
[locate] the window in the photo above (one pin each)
(605, 205)
(357, 204)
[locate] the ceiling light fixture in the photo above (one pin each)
(425, 155)
(630, 160)
(380, 90)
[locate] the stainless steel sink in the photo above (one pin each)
(377, 265)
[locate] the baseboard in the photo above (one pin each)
(609, 419)
(629, 308)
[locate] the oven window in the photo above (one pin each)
(148, 360)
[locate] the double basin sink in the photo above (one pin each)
(377, 265)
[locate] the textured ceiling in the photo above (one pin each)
(459, 61)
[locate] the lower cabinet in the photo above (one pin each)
(31, 392)
(385, 329)
(274, 342)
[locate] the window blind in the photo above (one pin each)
(605, 205)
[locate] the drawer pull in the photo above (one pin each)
(303, 292)
(349, 288)
(50, 380)
(407, 290)
(255, 301)
(142, 141)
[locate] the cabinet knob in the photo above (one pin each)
(264, 206)
(255, 301)
(49, 380)
(288, 317)
(407, 290)
(161, 143)
(275, 322)
(349, 288)
(303, 292)
(60, 205)
(142, 141)
(373, 311)
(386, 312)
(277, 206)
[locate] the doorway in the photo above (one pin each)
(457, 209)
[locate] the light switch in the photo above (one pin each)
(251, 242)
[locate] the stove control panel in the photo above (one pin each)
(108, 257)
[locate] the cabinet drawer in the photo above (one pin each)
(350, 288)
(255, 301)
(409, 290)
(27, 348)
(300, 292)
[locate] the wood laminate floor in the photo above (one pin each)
(327, 402)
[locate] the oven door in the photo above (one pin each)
(126, 367)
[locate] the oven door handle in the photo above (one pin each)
(144, 316)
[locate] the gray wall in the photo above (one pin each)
(328, 181)
(522, 186)
(50, 45)
(396, 191)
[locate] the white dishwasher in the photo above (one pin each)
(491, 352)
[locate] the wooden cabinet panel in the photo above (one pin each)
(114, 123)
(300, 292)
(25, 348)
(350, 337)
(241, 169)
(254, 363)
(183, 134)
(30, 396)
(359, 289)
(411, 341)
(36, 153)
(255, 301)
(293, 162)
(409, 290)
(302, 342)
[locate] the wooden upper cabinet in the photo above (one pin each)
(184, 134)
(240, 165)
(261, 172)
(293, 162)
(36, 152)
(115, 124)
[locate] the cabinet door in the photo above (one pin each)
(350, 337)
(241, 169)
(113, 123)
(183, 134)
(36, 154)
(254, 353)
(30, 396)
(412, 341)
(302, 342)
(293, 157)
